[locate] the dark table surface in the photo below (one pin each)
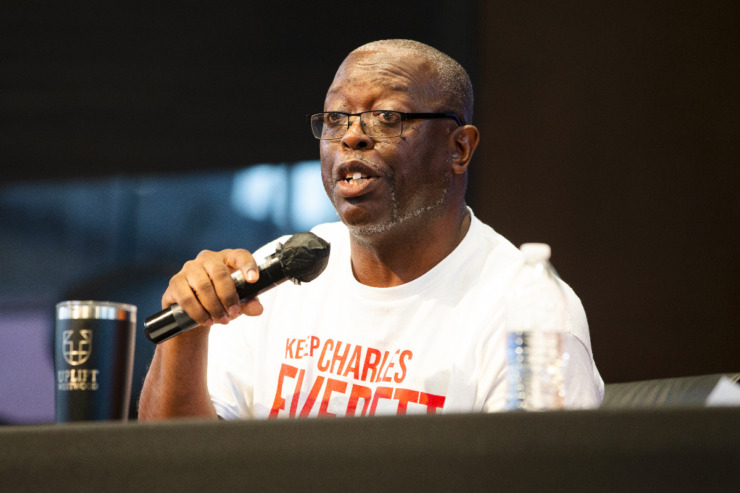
(689, 449)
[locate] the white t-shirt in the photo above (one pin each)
(335, 347)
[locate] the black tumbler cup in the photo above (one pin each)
(93, 360)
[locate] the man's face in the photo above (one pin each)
(377, 185)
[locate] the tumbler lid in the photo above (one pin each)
(98, 310)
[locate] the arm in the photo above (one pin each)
(175, 384)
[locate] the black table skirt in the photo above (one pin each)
(600, 450)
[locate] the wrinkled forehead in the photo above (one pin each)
(391, 71)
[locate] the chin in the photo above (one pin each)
(375, 229)
(369, 231)
(362, 223)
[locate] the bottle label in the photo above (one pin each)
(535, 370)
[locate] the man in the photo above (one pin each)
(408, 315)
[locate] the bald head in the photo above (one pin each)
(453, 91)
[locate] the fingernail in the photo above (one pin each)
(251, 275)
(224, 320)
(208, 322)
(234, 310)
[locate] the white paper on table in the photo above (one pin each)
(725, 393)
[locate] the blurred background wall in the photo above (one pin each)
(134, 135)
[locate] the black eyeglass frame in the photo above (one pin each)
(404, 117)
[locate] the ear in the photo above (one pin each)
(463, 141)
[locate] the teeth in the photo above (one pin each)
(351, 178)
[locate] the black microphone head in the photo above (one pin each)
(304, 256)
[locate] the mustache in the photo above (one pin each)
(367, 161)
(380, 170)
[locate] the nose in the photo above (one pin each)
(355, 138)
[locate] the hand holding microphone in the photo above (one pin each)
(301, 259)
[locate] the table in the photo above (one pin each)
(685, 449)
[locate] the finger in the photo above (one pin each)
(180, 292)
(214, 287)
(240, 259)
(234, 260)
(252, 308)
(223, 300)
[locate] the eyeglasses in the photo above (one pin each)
(378, 124)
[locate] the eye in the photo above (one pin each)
(387, 117)
(334, 118)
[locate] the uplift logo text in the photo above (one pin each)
(77, 379)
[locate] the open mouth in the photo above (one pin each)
(354, 181)
(355, 178)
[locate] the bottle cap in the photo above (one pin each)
(535, 251)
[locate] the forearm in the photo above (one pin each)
(175, 384)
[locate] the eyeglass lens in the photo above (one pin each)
(374, 124)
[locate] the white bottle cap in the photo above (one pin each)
(535, 251)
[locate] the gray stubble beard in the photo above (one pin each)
(397, 219)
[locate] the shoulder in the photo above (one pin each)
(492, 248)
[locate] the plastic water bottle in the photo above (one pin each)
(535, 320)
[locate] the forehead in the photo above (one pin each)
(373, 75)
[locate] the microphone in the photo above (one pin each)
(303, 257)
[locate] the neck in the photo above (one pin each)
(404, 255)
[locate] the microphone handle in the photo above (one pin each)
(173, 320)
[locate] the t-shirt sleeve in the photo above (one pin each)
(584, 387)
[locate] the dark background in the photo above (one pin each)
(609, 130)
